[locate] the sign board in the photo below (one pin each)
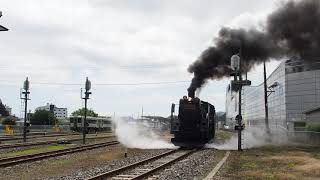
(243, 82)
(239, 127)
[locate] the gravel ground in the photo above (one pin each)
(77, 165)
(195, 166)
(135, 156)
(3, 151)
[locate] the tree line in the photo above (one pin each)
(44, 117)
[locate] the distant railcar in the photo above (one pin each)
(195, 124)
(94, 124)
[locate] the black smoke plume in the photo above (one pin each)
(291, 30)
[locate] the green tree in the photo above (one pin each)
(10, 120)
(42, 117)
(3, 110)
(80, 112)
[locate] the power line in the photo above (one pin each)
(106, 84)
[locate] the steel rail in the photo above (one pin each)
(7, 146)
(115, 172)
(34, 136)
(4, 162)
(13, 138)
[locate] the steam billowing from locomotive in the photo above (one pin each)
(291, 30)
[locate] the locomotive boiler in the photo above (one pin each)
(195, 124)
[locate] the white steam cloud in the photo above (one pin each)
(139, 135)
(252, 137)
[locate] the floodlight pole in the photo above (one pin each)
(26, 94)
(86, 97)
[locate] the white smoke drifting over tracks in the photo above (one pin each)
(139, 135)
(252, 137)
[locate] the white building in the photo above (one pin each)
(293, 103)
(60, 113)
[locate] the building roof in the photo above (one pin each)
(312, 110)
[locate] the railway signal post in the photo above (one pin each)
(26, 93)
(235, 64)
(86, 97)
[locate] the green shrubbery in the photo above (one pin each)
(9, 120)
(313, 127)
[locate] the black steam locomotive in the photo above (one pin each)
(195, 124)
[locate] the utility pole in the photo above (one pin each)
(25, 98)
(86, 97)
(266, 98)
(240, 115)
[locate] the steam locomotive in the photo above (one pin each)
(195, 124)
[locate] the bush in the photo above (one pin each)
(10, 120)
(313, 127)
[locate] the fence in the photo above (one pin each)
(307, 137)
(299, 136)
(37, 128)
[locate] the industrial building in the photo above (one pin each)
(60, 113)
(293, 98)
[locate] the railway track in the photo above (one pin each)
(9, 161)
(17, 145)
(34, 136)
(8, 138)
(144, 168)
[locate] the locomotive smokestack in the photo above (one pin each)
(191, 92)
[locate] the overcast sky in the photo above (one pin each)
(115, 42)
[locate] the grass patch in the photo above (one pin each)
(291, 165)
(271, 162)
(37, 150)
(248, 165)
(223, 135)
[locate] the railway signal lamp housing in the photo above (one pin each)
(26, 84)
(88, 84)
(235, 62)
